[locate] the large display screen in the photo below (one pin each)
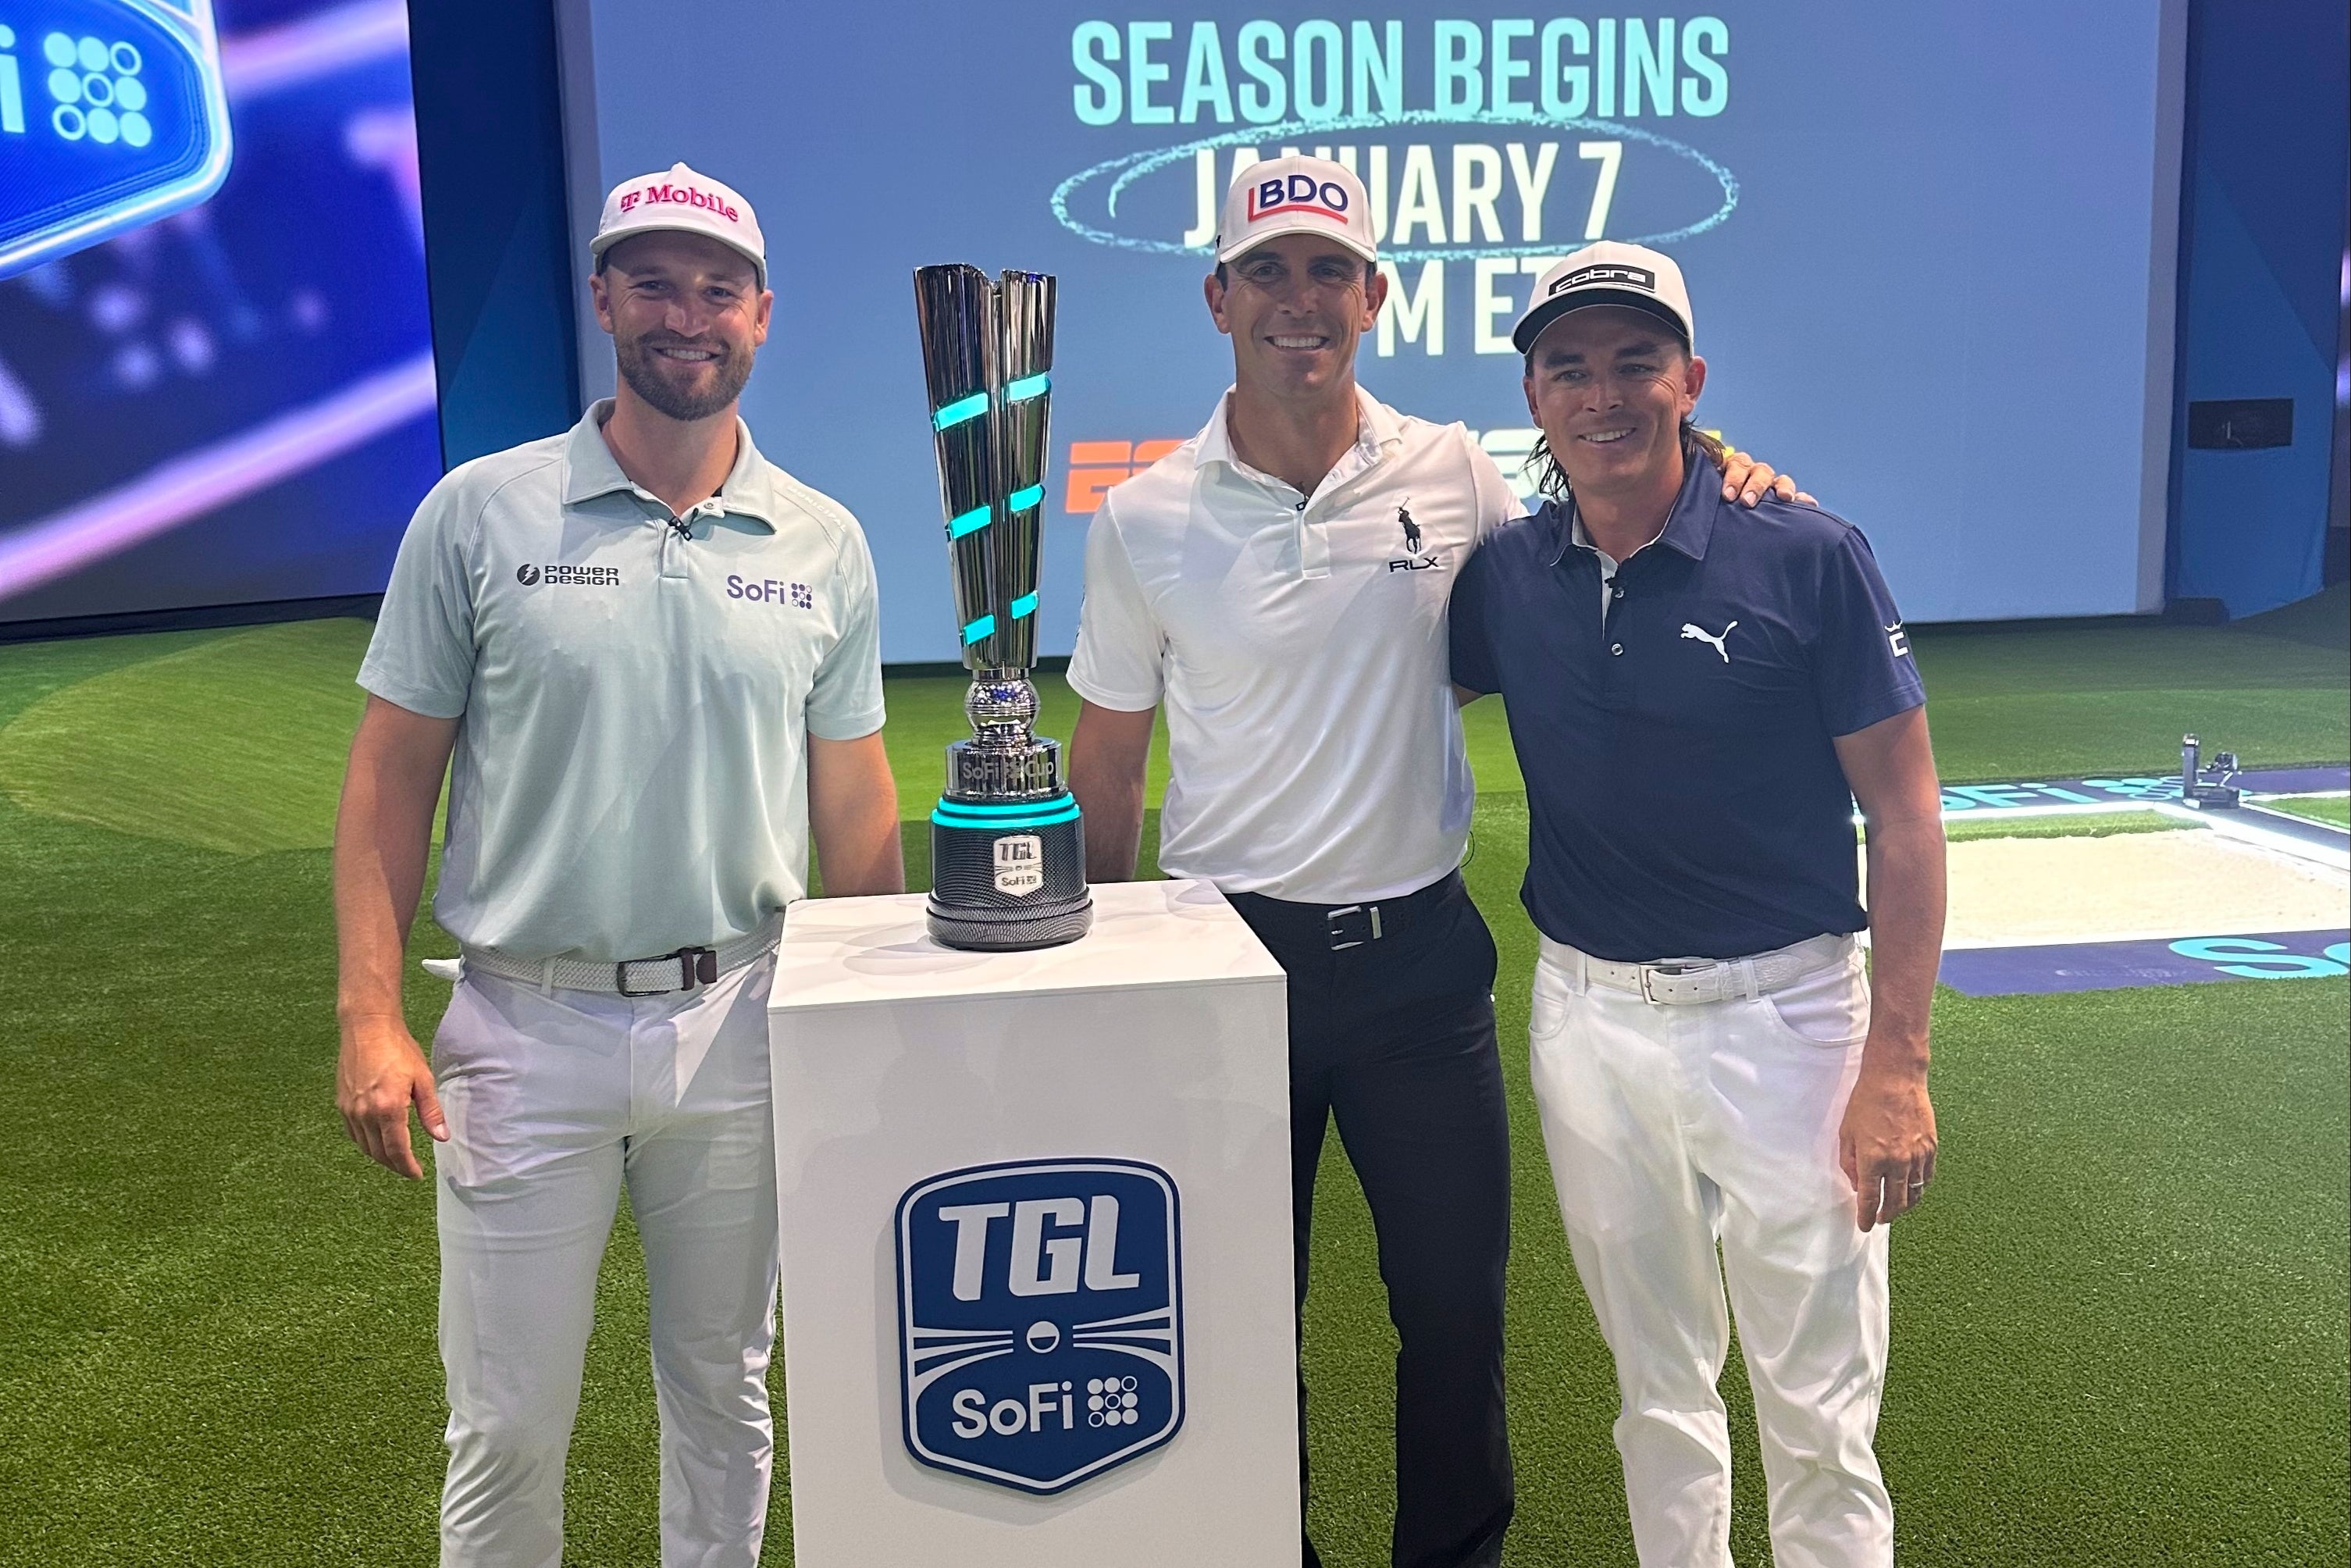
(1930, 246)
(215, 368)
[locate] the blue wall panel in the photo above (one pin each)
(2264, 213)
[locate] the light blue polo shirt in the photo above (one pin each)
(630, 773)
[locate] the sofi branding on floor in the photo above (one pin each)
(1040, 1318)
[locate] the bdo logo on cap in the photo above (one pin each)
(1298, 193)
(1040, 1320)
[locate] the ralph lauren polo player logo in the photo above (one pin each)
(1415, 561)
(555, 575)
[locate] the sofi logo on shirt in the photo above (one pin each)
(1040, 1318)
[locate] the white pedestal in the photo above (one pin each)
(1133, 1077)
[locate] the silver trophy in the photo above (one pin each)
(1007, 848)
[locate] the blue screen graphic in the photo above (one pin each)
(110, 116)
(1928, 245)
(229, 400)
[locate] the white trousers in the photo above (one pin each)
(555, 1099)
(1674, 1130)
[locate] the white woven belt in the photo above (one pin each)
(1682, 982)
(688, 968)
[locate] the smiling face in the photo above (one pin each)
(1295, 307)
(687, 315)
(1610, 386)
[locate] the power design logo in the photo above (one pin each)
(1040, 1320)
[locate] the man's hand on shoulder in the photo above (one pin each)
(378, 1074)
(1746, 477)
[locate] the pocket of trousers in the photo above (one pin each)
(1829, 1009)
(1547, 1009)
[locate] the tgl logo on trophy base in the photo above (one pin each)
(1040, 1320)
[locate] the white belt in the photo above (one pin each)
(1683, 982)
(688, 968)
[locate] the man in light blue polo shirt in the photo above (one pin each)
(655, 657)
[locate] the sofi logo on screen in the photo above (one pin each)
(112, 115)
(1040, 1318)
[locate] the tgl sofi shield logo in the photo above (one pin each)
(1040, 1318)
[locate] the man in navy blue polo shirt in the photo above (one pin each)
(1696, 703)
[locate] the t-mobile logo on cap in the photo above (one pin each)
(683, 195)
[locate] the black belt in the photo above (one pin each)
(1280, 923)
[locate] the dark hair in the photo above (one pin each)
(1552, 479)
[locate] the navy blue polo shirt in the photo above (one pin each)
(1684, 792)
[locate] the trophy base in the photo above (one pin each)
(1008, 876)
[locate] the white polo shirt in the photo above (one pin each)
(1299, 645)
(631, 774)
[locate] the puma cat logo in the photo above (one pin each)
(1691, 630)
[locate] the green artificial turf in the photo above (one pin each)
(2335, 809)
(2090, 825)
(2119, 1321)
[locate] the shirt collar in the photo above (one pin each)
(1689, 526)
(591, 470)
(1377, 428)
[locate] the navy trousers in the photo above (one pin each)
(1392, 1036)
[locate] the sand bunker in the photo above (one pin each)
(2013, 892)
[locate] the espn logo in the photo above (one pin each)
(1096, 466)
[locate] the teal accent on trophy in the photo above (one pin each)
(1027, 387)
(961, 411)
(1061, 808)
(1024, 605)
(1021, 500)
(970, 522)
(983, 627)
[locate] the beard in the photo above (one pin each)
(649, 376)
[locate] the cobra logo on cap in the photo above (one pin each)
(1298, 193)
(1639, 277)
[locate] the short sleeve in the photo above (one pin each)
(1498, 504)
(422, 654)
(1862, 671)
(844, 700)
(1121, 654)
(1472, 652)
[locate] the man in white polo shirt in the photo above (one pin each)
(655, 655)
(1279, 583)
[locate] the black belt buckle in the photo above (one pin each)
(1353, 924)
(695, 967)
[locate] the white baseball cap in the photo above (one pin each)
(1608, 273)
(1297, 194)
(683, 201)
